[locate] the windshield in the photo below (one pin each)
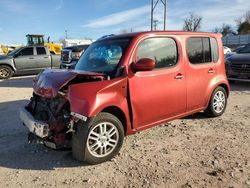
(103, 56)
(13, 52)
(245, 49)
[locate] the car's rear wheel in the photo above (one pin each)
(98, 140)
(218, 102)
(5, 72)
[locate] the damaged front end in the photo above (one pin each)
(48, 116)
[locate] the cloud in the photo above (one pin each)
(118, 18)
(15, 6)
(60, 5)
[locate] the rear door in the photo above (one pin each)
(161, 93)
(43, 59)
(201, 70)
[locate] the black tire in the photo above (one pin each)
(211, 110)
(81, 139)
(5, 72)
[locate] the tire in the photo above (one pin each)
(5, 72)
(217, 103)
(91, 138)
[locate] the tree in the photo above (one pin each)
(192, 22)
(243, 23)
(225, 30)
(244, 28)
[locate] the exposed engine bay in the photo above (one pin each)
(56, 113)
(48, 115)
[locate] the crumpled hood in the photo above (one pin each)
(50, 81)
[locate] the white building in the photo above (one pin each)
(74, 42)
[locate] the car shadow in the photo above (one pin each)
(198, 115)
(17, 153)
(18, 82)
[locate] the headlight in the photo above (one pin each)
(76, 55)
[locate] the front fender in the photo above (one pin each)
(88, 99)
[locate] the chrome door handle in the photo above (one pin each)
(210, 71)
(179, 76)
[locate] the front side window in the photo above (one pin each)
(103, 56)
(162, 50)
(26, 51)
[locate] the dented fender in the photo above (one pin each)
(88, 99)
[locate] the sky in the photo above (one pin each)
(95, 18)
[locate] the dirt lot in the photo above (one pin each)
(190, 152)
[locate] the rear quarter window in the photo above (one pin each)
(202, 50)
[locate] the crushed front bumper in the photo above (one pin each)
(39, 128)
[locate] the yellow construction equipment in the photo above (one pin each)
(33, 39)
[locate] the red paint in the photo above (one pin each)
(147, 98)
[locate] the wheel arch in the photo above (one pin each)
(4, 64)
(117, 112)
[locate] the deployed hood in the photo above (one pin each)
(50, 81)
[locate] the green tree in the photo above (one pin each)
(244, 28)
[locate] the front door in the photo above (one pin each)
(161, 93)
(25, 59)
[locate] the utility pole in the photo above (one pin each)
(153, 5)
(66, 34)
(155, 24)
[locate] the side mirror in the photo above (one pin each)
(144, 64)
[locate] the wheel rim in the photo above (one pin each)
(219, 102)
(102, 139)
(4, 72)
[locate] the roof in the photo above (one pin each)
(169, 32)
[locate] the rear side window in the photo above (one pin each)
(162, 50)
(26, 51)
(40, 51)
(202, 50)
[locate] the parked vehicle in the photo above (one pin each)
(238, 65)
(227, 50)
(1, 52)
(27, 60)
(124, 84)
(38, 40)
(70, 56)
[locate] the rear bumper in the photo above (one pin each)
(39, 128)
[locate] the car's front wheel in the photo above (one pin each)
(218, 102)
(5, 72)
(98, 140)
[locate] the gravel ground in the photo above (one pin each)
(191, 152)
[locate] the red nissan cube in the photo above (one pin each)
(123, 84)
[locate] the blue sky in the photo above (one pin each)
(94, 18)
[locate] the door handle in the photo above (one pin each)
(211, 71)
(46, 57)
(31, 58)
(179, 76)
